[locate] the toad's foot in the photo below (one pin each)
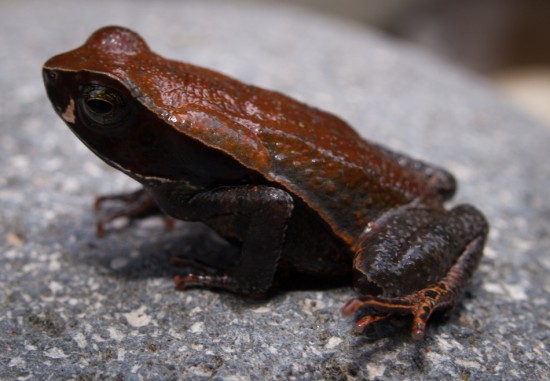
(134, 205)
(420, 305)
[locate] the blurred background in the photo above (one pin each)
(506, 41)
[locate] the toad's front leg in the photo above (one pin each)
(133, 205)
(253, 217)
(415, 261)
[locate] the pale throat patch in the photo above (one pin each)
(68, 115)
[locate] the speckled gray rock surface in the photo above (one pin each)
(73, 306)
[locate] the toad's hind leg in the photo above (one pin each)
(419, 261)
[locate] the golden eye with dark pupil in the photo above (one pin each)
(103, 107)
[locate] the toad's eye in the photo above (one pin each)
(103, 107)
(99, 106)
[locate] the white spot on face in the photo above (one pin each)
(68, 114)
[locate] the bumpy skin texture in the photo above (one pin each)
(294, 187)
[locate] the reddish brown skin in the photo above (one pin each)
(295, 187)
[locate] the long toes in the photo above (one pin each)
(421, 314)
(377, 306)
(375, 309)
(352, 306)
(368, 321)
(418, 328)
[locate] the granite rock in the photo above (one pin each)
(74, 306)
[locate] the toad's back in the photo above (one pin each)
(314, 155)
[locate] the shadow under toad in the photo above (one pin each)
(136, 252)
(142, 252)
